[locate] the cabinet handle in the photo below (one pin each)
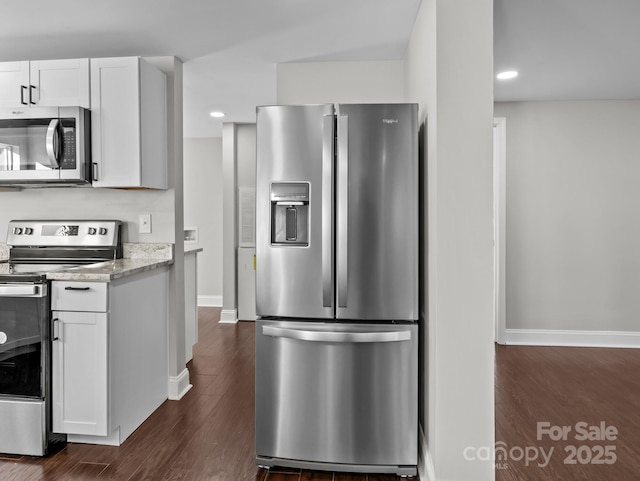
(22, 89)
(71, 288)
(31, 87)
(94, 171)
(56, 336)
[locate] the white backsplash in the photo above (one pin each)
(94, 203)
(147, 251)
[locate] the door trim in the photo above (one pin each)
(499, 227)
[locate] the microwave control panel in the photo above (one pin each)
(68, 149)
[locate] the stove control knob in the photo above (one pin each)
(102, 231)
(17, 230)
(92, 231)
(28, 230)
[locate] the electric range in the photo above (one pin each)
(38, 247)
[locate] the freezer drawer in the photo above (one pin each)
(337, 395)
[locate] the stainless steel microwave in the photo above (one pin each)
(45, 146)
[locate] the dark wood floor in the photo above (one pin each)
(566, 386)
(207, 435)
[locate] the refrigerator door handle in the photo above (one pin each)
(328, 146)
(333, 336)
(343, 208)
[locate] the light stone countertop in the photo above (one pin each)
(192, 250)
(137, 258)
(108, 271)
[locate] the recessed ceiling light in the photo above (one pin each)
(507, 75)
(217, 114)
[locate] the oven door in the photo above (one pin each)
(44, 145)
(24, 338)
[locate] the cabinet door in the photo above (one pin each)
(80, 373)
(14, 84)
(115, 121)
(60, 83)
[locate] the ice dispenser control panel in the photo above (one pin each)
(290, 213)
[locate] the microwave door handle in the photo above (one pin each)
(52, 143)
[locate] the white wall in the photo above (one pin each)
(178, 373)
(246, 161)
(573, 205)
(246, 168)
(239, 161)
(203, 210)
(229, 311)
(335, 82)
(91, 203)
(449, 72)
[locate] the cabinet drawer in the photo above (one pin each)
(79, 296)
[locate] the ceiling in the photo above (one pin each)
(229, 47)
(564, 49)
(567, 49)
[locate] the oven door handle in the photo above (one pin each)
(16, 290)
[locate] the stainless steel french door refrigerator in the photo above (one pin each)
(337, 287)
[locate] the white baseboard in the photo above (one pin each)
(209, 301)
(542, 337)
(229, 316)
(112, 439)
(426, 472)
(179, 385)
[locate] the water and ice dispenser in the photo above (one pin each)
(290, 213)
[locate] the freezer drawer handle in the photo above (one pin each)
(332, 336)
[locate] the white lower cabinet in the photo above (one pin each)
(110, 360)
(80, 373)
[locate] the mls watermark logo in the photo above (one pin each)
(501, 454)
(585, 444)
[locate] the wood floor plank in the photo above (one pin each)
(306, 475)
(209, 434)
(566, 386)
(283, 477)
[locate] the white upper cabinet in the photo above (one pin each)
(128, 124)
(45, 83)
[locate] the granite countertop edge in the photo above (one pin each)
(108, 271)
(138, 257)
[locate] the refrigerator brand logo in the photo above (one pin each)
(17, 112)
(389, 121)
